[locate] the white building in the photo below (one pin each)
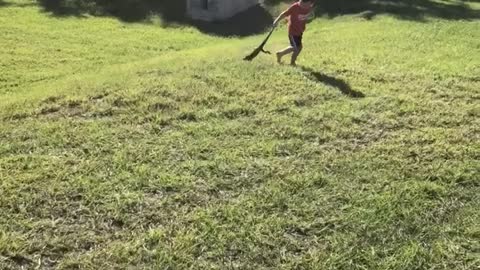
(216, 10)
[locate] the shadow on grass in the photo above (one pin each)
(339, 84)
(403, 9)
(15, 4)
(172, 12)
(257, 19)
(253, 21)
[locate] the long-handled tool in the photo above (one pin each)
(260, 48)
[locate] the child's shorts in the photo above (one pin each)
(295, 41)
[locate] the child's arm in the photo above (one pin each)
(281, 17)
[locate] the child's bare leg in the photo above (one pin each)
(295, 55)
(284, 52)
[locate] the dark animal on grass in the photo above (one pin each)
(260, 48)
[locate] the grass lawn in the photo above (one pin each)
(137, 146)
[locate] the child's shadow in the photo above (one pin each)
(340, 84)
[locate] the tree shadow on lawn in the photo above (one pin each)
(253, 21)
(339, 84)
(403, 9)
(10, 4)
(257, 19)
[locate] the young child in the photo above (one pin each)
(298, 14)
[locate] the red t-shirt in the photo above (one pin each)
(297, 19)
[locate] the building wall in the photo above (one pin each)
(217, 9)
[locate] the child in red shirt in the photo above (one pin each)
(298, 14)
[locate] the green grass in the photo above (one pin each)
(132, 146)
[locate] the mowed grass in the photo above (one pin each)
(132, 146)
